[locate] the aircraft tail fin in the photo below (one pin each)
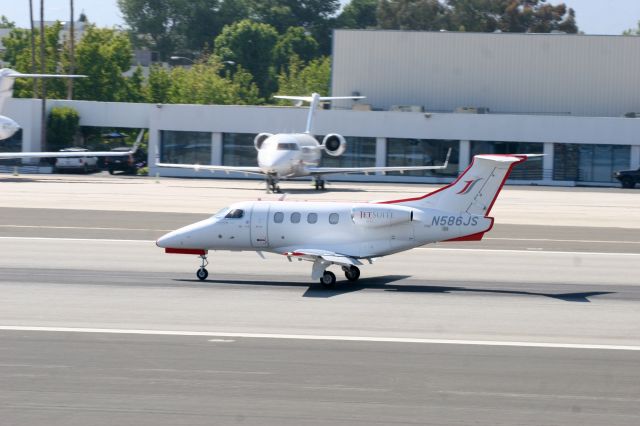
(314, 100)
(7, 77)
(475, 191)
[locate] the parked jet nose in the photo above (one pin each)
(194, 236)
(273, 161)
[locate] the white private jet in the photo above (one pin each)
(8, 126)
(292, 155)
(346, 234)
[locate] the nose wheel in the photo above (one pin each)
(202, 273)
(272, 184)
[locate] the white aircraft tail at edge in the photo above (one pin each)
(8, 126)
(291, 155)
(348, 234)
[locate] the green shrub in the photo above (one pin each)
(62, 125)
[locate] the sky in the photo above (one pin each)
(592, 16)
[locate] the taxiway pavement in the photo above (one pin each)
(539, 325)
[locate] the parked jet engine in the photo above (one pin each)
(259, 140)
(334, 144)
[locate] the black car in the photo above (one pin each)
(127, 163)
(628, 178)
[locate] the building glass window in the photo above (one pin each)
(423, 152)
(238, 149)
(529, 170)
(185, 147)
(589, 163)
(361, 152)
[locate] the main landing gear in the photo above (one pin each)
(328, 279)
(272, 184)
(319, 184)
(202, 273)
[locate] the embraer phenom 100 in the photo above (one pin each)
(348, 234)
(292, 155)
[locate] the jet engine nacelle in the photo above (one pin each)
(259, 140)
(334, 144)
(377, 216)
(7, 127)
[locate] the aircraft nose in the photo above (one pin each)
(272, 161)
(194, 236)
(7, 128)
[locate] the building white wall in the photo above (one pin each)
(220, 119)
(507, 72)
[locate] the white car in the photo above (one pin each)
(84, 164)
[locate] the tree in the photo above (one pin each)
(102, 54)
(296, 41)
(425, 15)
(6, 23)
(300, 80)
(158, 85)
(536, 16)
(251, 46)
(315, 16)
(179, 26)
(632, 31)
(358, 14)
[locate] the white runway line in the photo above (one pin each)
(321, 337)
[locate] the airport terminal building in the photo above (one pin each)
(574, 98)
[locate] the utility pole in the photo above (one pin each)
(72, 58)
(43, 86)
(33, 50)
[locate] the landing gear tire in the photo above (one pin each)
(352, 273)
(202, 274)
(272, 185)
(328, 280)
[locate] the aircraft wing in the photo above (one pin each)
(60, 154)
(227, 169)
(329, 256)
(317, 171)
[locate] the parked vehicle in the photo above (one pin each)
(628, 178)
(127, 163)
(82, 164)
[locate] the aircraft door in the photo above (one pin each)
(259, 224)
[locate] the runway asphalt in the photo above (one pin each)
(539, 324)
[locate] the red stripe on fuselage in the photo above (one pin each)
(198, 252)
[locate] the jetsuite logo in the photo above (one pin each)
(468, 186)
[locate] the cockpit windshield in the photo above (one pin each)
(234, 214)
(222, 213)
(288, 146)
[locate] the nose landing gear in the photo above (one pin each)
(319, 183)
(202, 273)
(272, 184)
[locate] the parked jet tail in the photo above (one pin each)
(475, 190)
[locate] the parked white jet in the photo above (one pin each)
(8, 126)
(292, 155)
(346, 234)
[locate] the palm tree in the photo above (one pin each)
(43, 86)
(72, 42)
(33, 50)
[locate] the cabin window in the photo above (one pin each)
(295, 217)
(312, 217)
(334, 218)
(235, 214)
(278, 217)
